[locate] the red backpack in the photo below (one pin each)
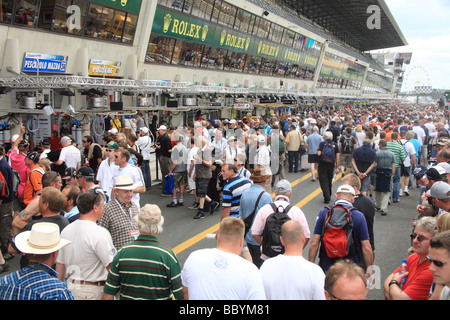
(4, 190)
(337, 232)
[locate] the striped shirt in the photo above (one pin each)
(145, 270)
(398, 152)
(36, 281)
(232, 193)
(385, 159)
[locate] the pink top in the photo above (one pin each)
(17, 161)
(295, 214)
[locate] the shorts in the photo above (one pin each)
(201, 186)
(313, 158)
(6, 218)
(365, 184)
(406, 171)
(346, 160)
(18, 204)
(179, 178)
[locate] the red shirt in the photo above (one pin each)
(419, 280)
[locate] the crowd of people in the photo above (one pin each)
(75, 215)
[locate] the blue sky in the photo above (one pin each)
(426, 27)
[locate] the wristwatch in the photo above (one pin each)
(393, 282)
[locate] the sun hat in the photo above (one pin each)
(124, 183)
(259, 175)
(43, 238)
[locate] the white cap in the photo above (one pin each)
(162, 128)
(345, 188)
(14, 138)
(144, 129)
(113, 131)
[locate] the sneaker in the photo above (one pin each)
(180, 204)
(199, 215)
(383, 213)
(213, 206)
(172, 205)
(400, 193)
(194, 206)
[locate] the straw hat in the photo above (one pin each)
(43, 238)
(124, 183)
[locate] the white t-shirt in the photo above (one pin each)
(409, 150)
(212, 274)
(90, 252)
(136, 176)
(144, 144)
(445, 294)
(292, 278)
(106, 174)
(71, 156)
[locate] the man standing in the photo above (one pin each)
(233, 189)
(34, 180)
(144, 144)
(220, 273)
(312, 142)
(363, 162)
(145, 269)
(118, 214)
(92, 152)
(347, 145)
(163, 148)
(289, 276)
(70, 208)
(385, 170)
(107, 170)
(86, 261)
(293, 141)
(179, 161)
(37, 280)
(125, 169)
(410, 161)
(329, 162)
(253, 199)
(263, 158)
(399, 154)
(6, 210)
(70, 156)
(361, 251)
(283, 193)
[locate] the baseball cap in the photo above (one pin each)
(112, 145)
(435, 173)
(86, 172)
(444, 165)
(144, 129)
(283, 186)
(163, 127)
(440, 190)
(345, 188)
(261, 139)
(66, 139)
(113, 131)
(419, 170)
(34, 156)
(69, 173)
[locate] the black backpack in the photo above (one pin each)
(347, 144)
(271, 243)
(336, 235)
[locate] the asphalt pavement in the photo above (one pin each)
(184, 234)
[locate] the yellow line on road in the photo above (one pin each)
(190, 242)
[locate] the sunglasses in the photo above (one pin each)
(437, 263)
(420, 238)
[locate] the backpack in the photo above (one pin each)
(249, 220)
(271, 243)
(16, 181)
(336, 235)
(4, 191)
(347, 144)
(328, 152)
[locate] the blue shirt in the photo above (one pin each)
(248, 201)
(36, 281)
(416, 144)
(313, 141)
(232, 194)
(360, 233)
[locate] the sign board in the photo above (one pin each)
(104, 68)
(41, 62)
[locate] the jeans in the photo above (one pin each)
(145, 167)
(396, 181)
(293, 159)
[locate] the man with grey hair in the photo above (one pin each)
(283, 193)
(145, 263)
(70, 155)
(416, 282)
(329, 159)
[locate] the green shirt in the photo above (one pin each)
(398, 152)
(145, 270)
